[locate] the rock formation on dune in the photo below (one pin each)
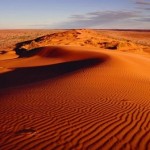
(80, 37)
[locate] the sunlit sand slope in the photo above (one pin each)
(75, 98)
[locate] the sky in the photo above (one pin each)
(67, 14)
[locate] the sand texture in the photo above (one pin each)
(82, 37)
(55, 95)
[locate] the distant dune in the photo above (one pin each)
(82, 37)
(75, 90)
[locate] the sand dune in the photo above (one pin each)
(75, 98)
(82, 37)
(47, 62)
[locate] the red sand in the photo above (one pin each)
(69, 97)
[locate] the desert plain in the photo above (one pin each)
(74, 89)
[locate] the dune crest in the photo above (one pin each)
(80, 37)
(47, 62)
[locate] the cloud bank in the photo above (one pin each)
(142, 2)
(100, 19)
(103, 20)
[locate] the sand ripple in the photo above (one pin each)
(99, 100)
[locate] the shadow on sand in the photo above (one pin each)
(21, 76)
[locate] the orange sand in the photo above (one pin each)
(73, 97)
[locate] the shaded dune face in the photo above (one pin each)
(65, 97)
(73, 61)
(28, 75)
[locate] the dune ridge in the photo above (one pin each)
(72, 97)
(81, 37)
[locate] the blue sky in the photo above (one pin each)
(52, 14)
